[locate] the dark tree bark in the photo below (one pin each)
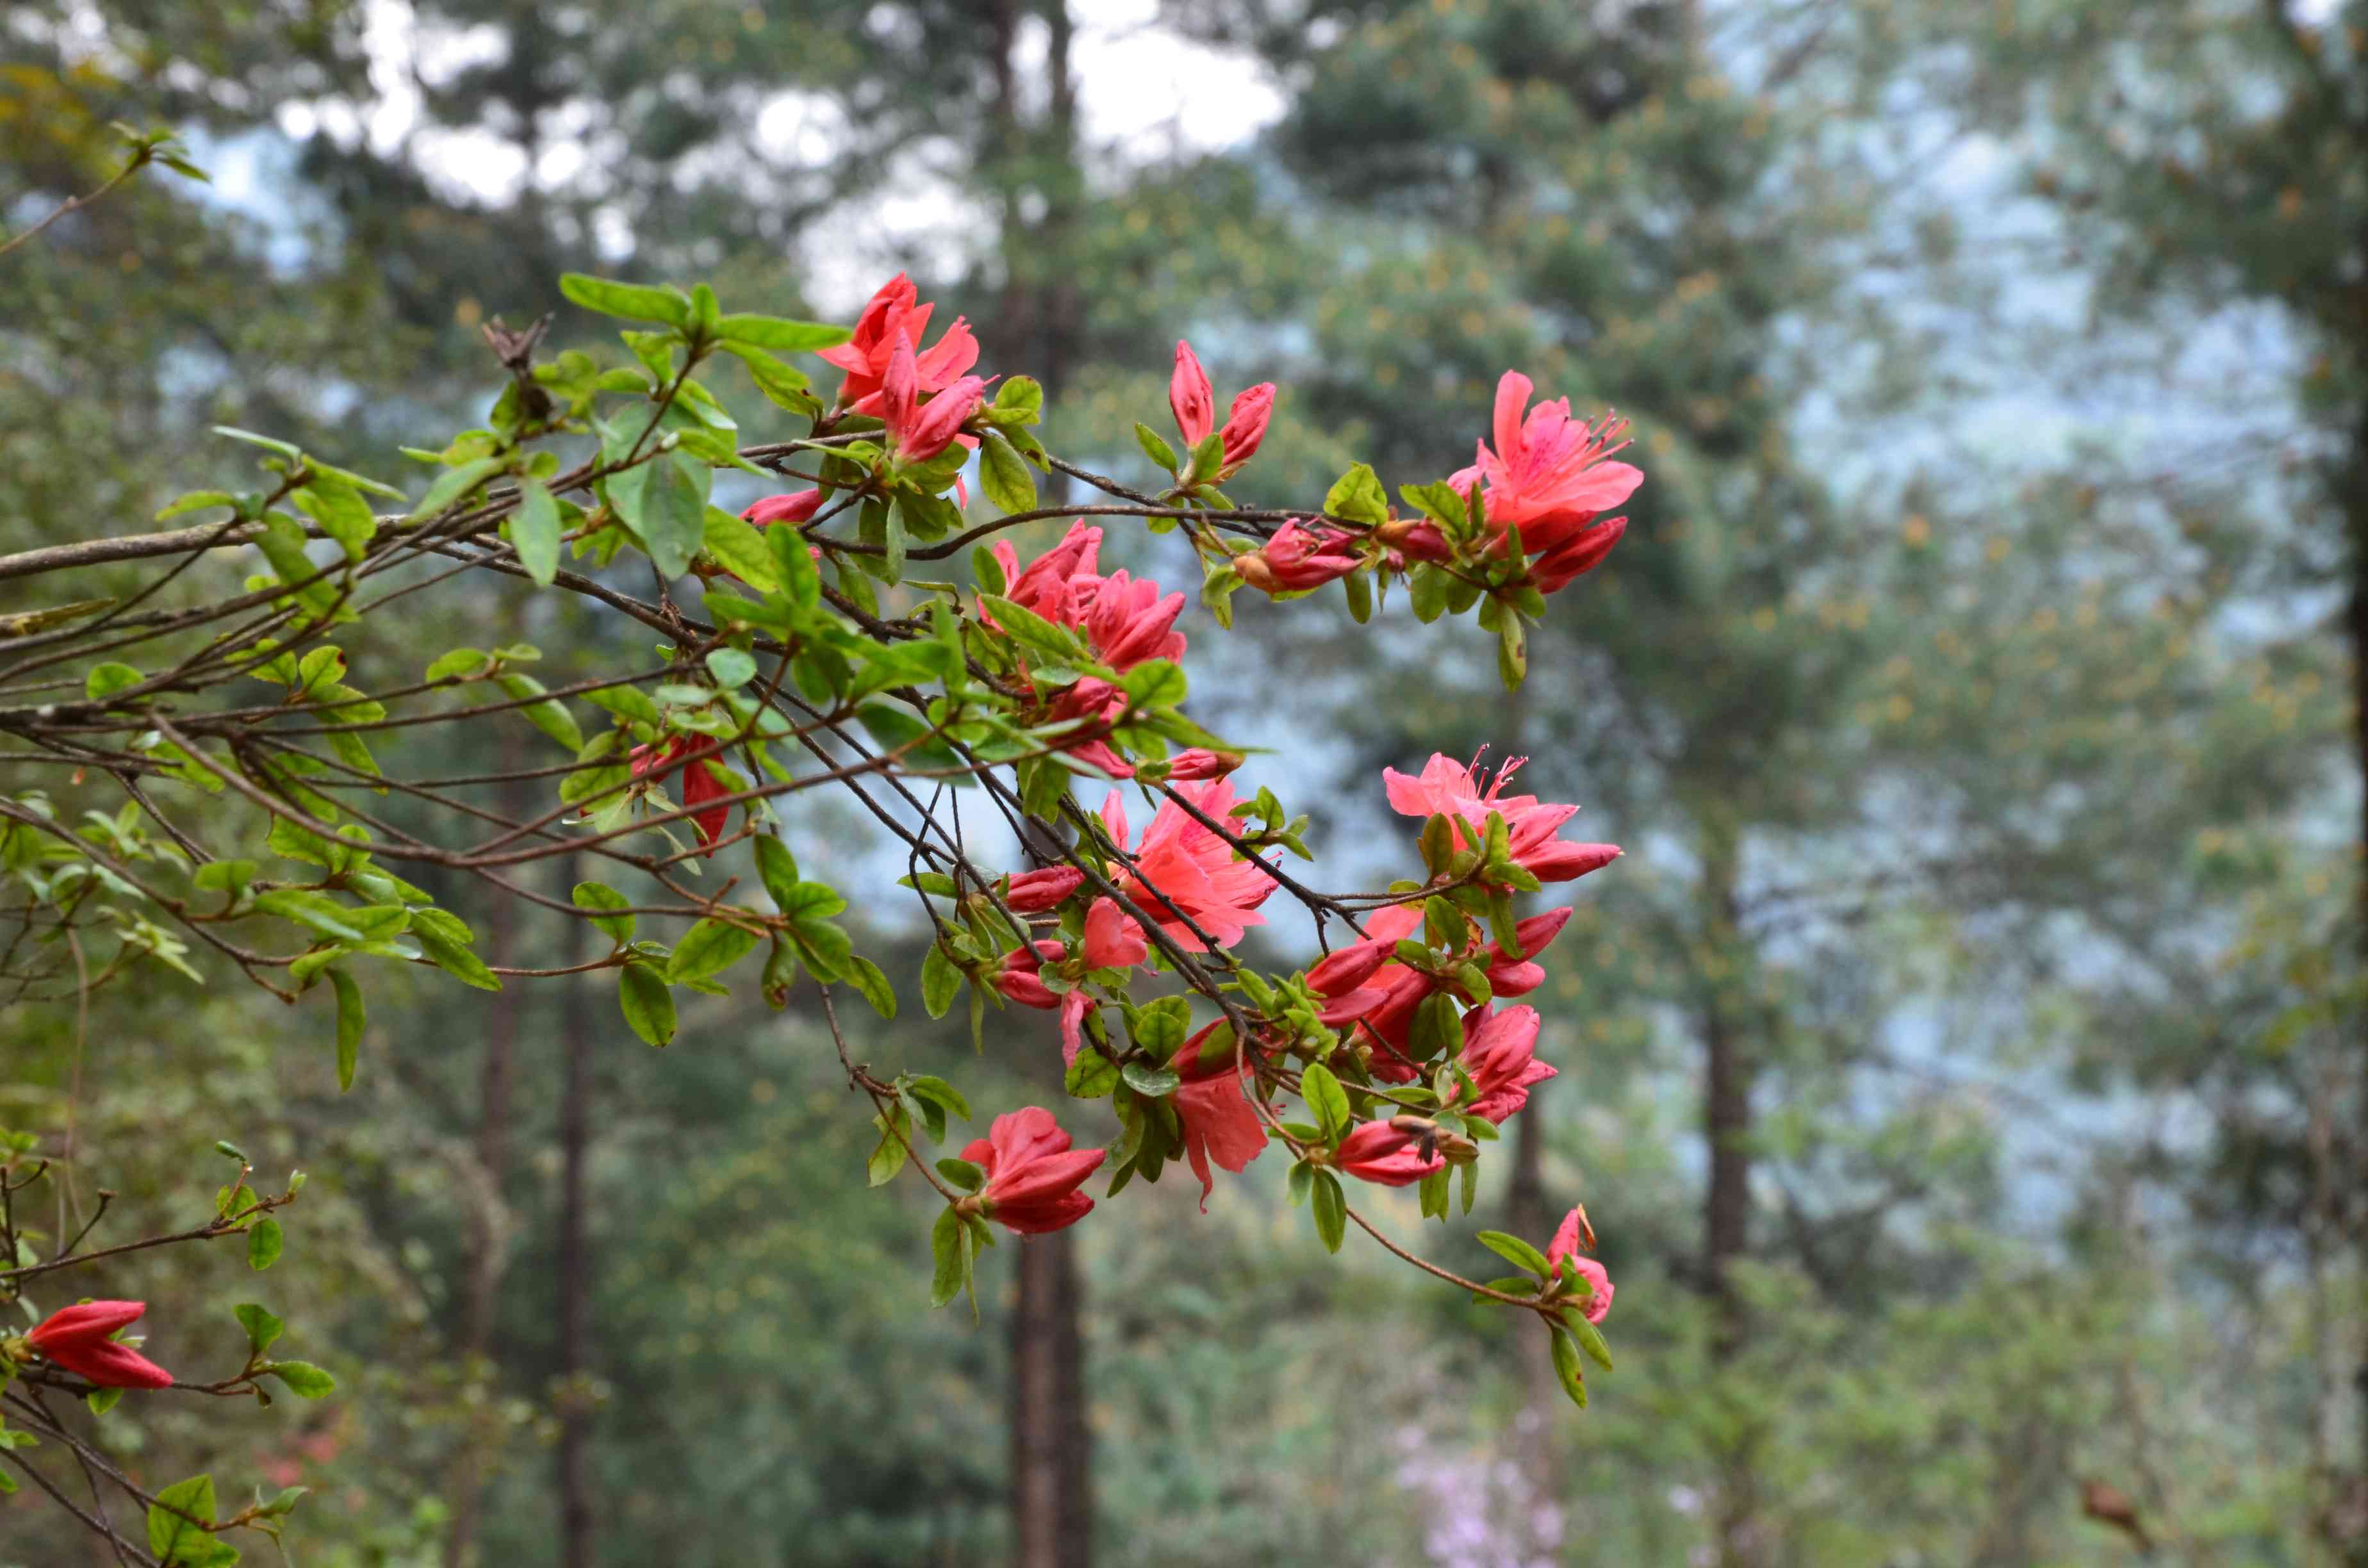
(1729, 1067)
(574, 1273)
(488, 1215)
(1052, 1449)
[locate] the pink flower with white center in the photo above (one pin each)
(1500, 1053)
(1448, 787)
(895, 316)
(1548, 474)
(1183, 871)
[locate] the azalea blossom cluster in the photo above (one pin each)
(1048, 685)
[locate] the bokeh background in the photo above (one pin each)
(1966, 1069)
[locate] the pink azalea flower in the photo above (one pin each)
(1298, 558)
(1032, 1175)
(919, 431)
(797, 507)
(1379, 1011)
(1577, 556)
(1112, 941)
(1219, 1122)
(1565, 1244)
(1182, 869)
(1050, 583)
(1199, 762)
(1033, 892)
(1194, 403)
(1548, 474)
(1500, 1052)
(1378, 1153)
(895, 316)
(81, 1340)
(1129, 622)
(1450, 789)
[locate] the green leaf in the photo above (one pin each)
(778, 867)
(948, 1258)
(1003, 475)
(317, 911)
(454, 958)
(888, 1154)
(1514, 1250)
(105, 680)
(941, 980)
(961, 1173)
(261, 1326)
(1326, 1101)
(1154, 683)
(550, 715)
(741, 549)
(175, 1535)
(599, 896)
(1331, 1211)
(779, 334)
(625, 701)
(303, 1379)
(1091, 1076)
(865, 976)
(100, 1401)
(1590, 1338)
(264, 1243)
(634, 301)
(793, 560)
(664, 501)
(648, 1004)
(732, 668)
(1358, 497)
(457, 663)
(1152, 1083)
(535, 529)
(708, 947)
(351, 1017)
(452, 484)
(340, 510)
(1568, 1370)
(1155, 447)
(1208, 457)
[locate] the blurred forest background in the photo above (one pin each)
(1966, 1068)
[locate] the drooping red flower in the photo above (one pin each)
(79, 1338)
(797, 507)
(1500, 1053)
(1033, 892)
(1380, 1154)
(1577, 556)
(1298, 558)
(1182, 869)
(1219, 1123)
(1549, 474)
(1566, 1243)
(698, 780)
(895, 315)
(1032, 1175)
(1194, 403)
(1446, 786)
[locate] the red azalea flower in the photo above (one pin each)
(1378, 1153)
(79, 1339)
(699, 781)
(1565, 1244)
(1032, 1175)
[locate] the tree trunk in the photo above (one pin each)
(1051, 1452)
(488, 1216)
(1730, 1067)
(575, 1271)
(2347, 1510)
(1052, 1449)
